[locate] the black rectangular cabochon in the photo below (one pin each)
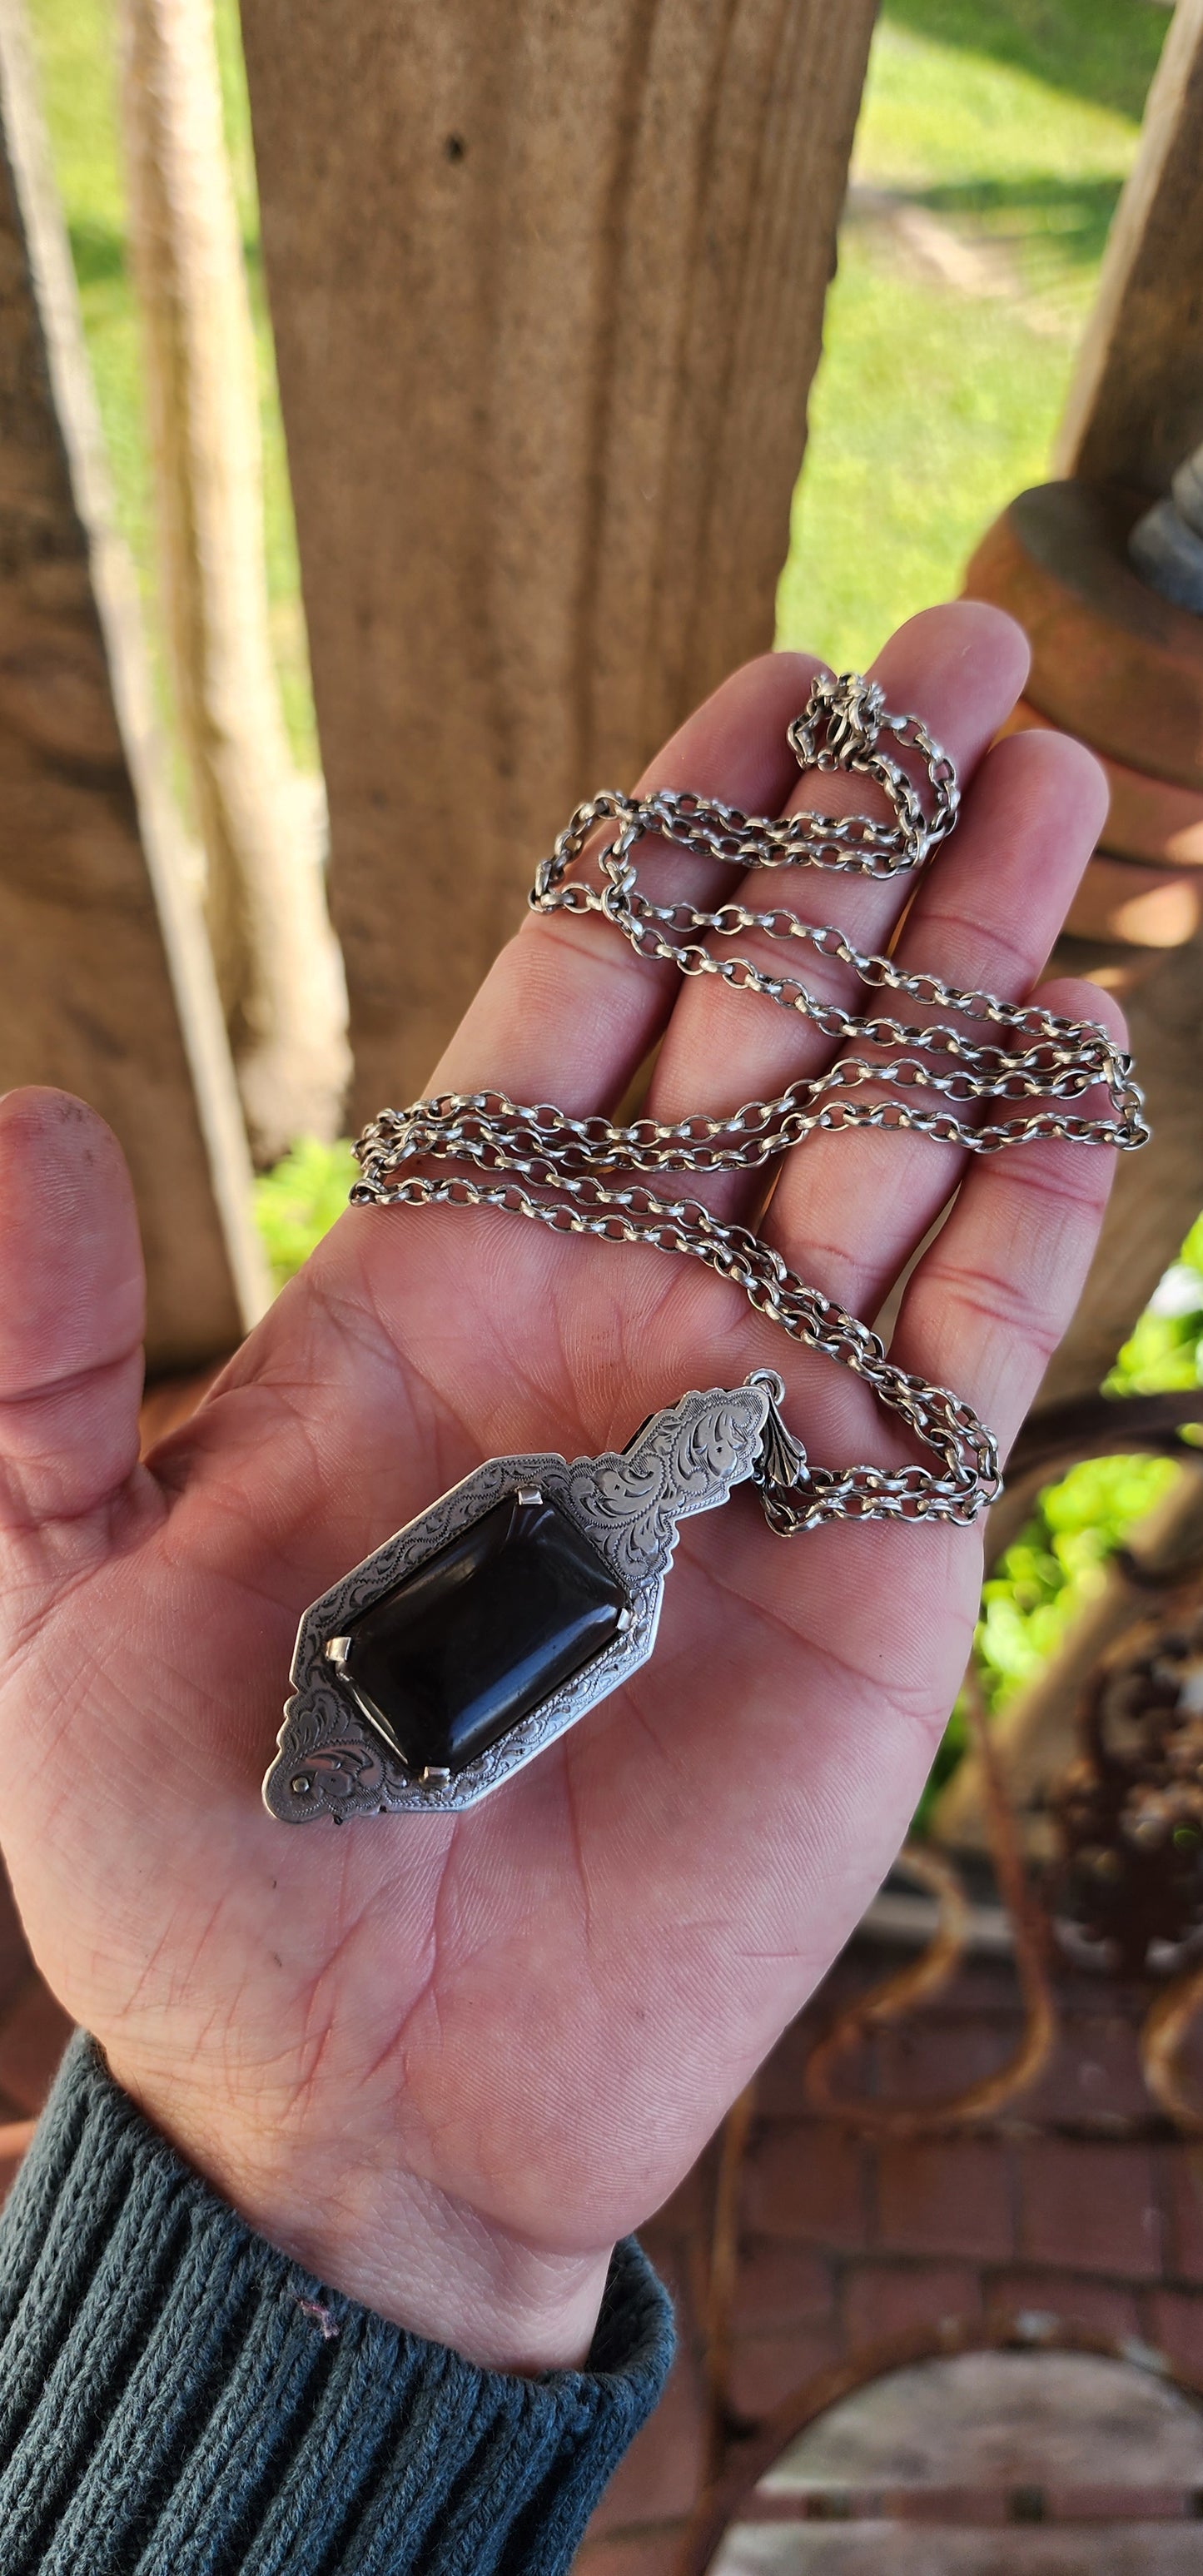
(469, 1643)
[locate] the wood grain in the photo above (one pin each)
(1135, 408)
(105, 983)
(548, 288)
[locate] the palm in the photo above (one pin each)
(539, 2009)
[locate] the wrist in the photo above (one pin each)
(394, 2241)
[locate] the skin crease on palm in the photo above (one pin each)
(447, 2061)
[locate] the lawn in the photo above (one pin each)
(1013, 124)
(1007, 127)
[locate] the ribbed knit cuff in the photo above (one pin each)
(177, 2396)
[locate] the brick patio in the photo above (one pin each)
(1083, 2208)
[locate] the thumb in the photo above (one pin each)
(72, 1301)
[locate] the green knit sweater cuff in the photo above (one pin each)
(176, 2395)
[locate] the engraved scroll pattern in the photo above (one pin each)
(332, 1753)
(685, 1460)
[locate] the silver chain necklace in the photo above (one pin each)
(476, 1635)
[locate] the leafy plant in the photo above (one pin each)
(297, 1202)
(1059, 1559)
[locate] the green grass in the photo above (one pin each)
(1014, 121)
(929, 412)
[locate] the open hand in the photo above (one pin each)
(446, 2061)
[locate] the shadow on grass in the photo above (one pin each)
(100, 252)
(1075, 214)
(1103, 50)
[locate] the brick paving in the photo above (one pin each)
(1087, 2218)
(1079, 2212)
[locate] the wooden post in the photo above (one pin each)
(547, 287)
(105, 981)
(1135, 408)
(278, 966)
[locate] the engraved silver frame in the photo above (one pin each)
(332, 1760)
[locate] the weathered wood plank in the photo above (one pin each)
(105, 982)
(547, 287)
(278, 968)
(1136, 405)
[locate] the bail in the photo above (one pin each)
(781, 1468)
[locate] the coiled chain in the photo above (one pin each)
(563, 1172)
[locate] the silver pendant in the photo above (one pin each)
(493, 1621)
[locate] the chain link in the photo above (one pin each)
(540, 1163)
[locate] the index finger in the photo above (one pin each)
(568, 1011)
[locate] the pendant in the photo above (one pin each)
(487, 1626)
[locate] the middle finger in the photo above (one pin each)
(852, 1206)
(960, 668)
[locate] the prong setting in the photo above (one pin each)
(341, 1755)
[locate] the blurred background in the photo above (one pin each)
(941, 2278)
